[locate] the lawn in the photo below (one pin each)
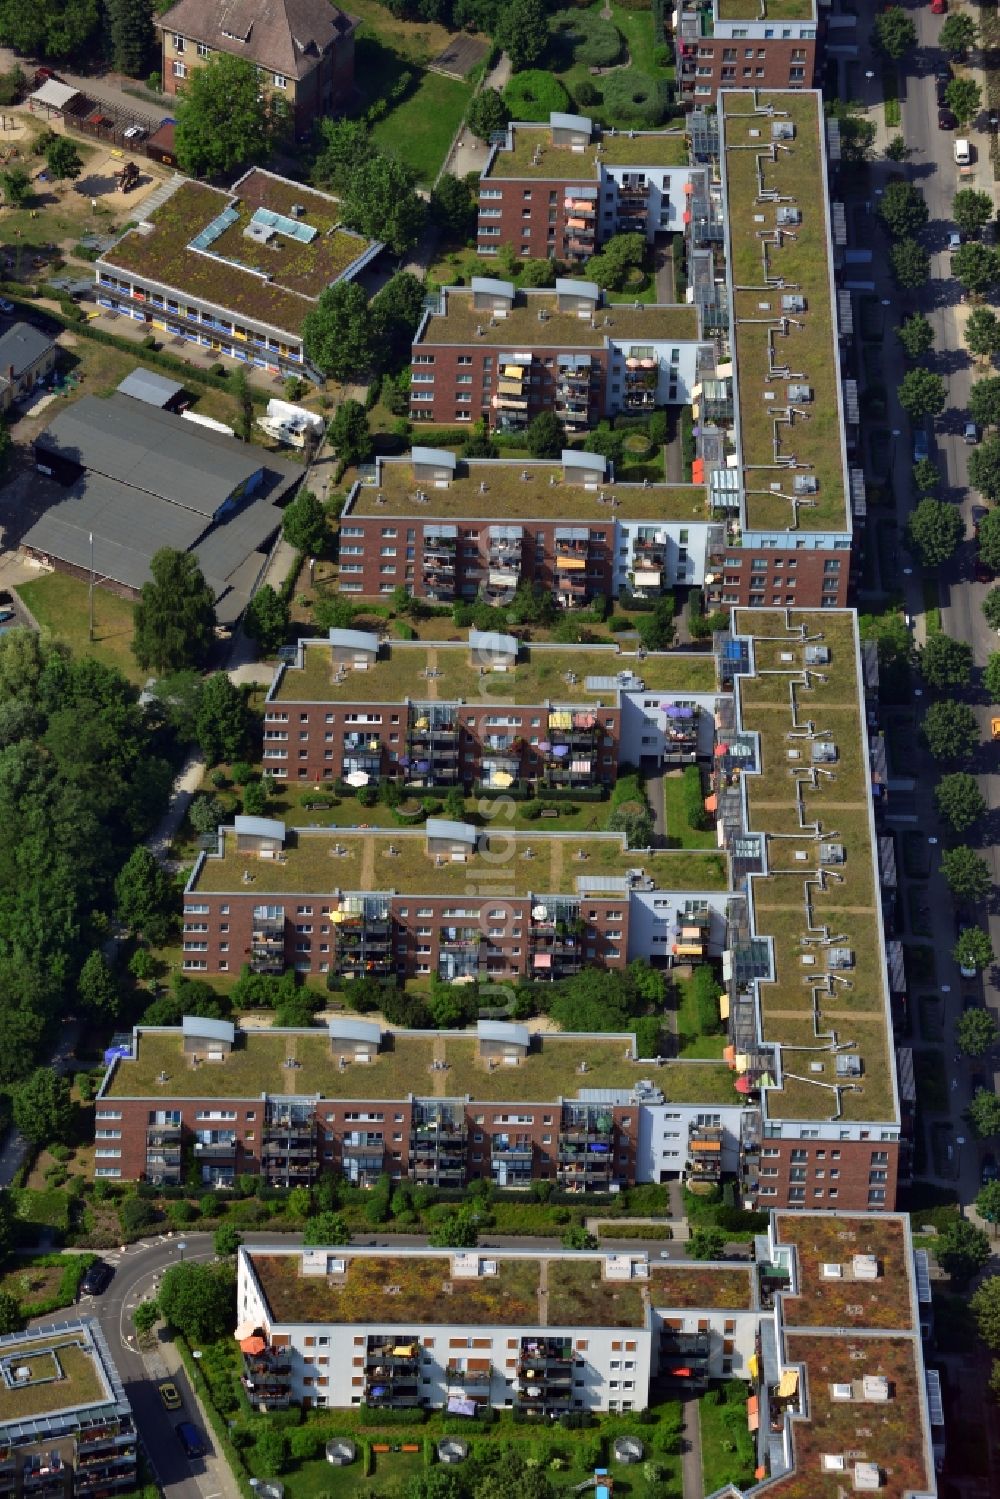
(420, 129)
(727, 1449)
(679, 830)
(60, 605)
(416, 41)
(691, 1040)
(637, 29)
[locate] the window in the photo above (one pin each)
(179, 43)
(280, 81)
(179, 70)
(204, 51)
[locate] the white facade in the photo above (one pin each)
(644, 723)
(655, 915)
(676, 366)
(666, 202)
(664, 1130)
(684, 545)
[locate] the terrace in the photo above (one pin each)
(444, 674)
(232, 273)
(534, 155)
(531, 863)
(799, 261)
(890, 1433)
(701, 1288)
(403, 1067)
(72, 1378)
(825, 1301)
(521, 328)
(423, 1292)
(579, 1296)
(857, 1009)
(544, 495)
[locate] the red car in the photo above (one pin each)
(938, 7)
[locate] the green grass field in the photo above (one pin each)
(420, 129)
(691, 1042)
(727, 1450)
(677, 824)
(60, 605)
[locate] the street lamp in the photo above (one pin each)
(181, 1245)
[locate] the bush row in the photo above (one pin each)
(694, 799)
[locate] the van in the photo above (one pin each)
(963, 152)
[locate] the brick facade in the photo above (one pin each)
(807, 578)
(846, 1175)
(466, 381)
(713, 63)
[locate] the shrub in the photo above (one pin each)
(632, 95)
(594, 41)
(534, 94)
(694, 799)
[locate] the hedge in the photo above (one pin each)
(706, 999)
(614, 1230)
(220, 1427)
(694, 799)
(377, 1415)
(534, 94)
(75, 1268)
(594, 41)
(632, 95)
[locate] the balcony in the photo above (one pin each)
(267, 1379)
(216, 1150)
(684, 1354)
(468, 1378)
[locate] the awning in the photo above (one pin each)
(788, 1385)
(729, 1055)
(753, 1413)
(53, 94)
(688, 950)
(560, 720)
(571, 564)
(723, 1006)
(501, 778)
(510, 388)
(513, 372)
(543, 960)
(404, 1350)
(580, 767)
(741, 1061)
(358, 778)
(253, 1345)
(648, 578)
(509, 403)
(698, 470)
(753, 1366)
(709, 1145)
(743, 1084)
(711, 803)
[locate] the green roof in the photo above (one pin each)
(65, 1372)
(766, 10)
(534, 155)
(522, 329)
(761, 271)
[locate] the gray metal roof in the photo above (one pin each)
(21, 347)
(592, 462)
(200, 1029)
(502, 1030)
(458, 832)
(438, 457)
(493, 643)
(144, 385)
(355, 640)
(559, 121)
(152, 450)
(493, 286)
(565, 287)
(343, 1028)
(259, 827)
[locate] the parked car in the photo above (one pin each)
(921, 445)
(962, 151)
(954, 240)
(938, 7)
(190, 1439)
(982, 572)
(136, 133)
(946, 120)
(168, 1394)
(97, 1279)
(970, 433)
(988, 1171)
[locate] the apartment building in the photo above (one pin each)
(558, 191)
(235, 271)
(494, 353)
(66, 1425)
(724, 44)
(303, 50)
(825, 1326)
(447, 530)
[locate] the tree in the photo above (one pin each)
(973, 948)
(396, 311)
(223, 721)
(964, 1250)
(706, 1244)
(96, 987)
(227, 1240)
(982, 333)
(988, 1203)
(345, 144)
(206, 814)
(903, 209)
(958, 800)
(144, 895)
(455, 1231)
(618, 257)
(453, 208)
(16, 184)
(975, 265)
(966, 874)
(522, 31)
(897, 149)
(338, 333)
(921, 393)
(266, 619)
(326, 1228)
(130, 26)
(971, 210)
(304, 524)
(199, 1300)
(911, 264)
(989, 526)
(985, 1307)
(349, 433)
(488, 114)
(991, 675)
(62, 159)
(577, 1237)
(545, 435)
(991, 608)
(984, 395)
(11, 1316)
(964, 98)
(983, 1113)
(926, 475)
(145, 1317)
(255, 799)
(57, 30)
(271, 1452)
(239, 387)
(894, 33)
(951, 730)
(43, 1111)
(957, 34)
(975, 1032)
(934, 530)
(916, 335)
(511, 1477)
(380, 202)
(175, 615)
(224, 119)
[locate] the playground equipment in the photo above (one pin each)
(127, 178)
(601, 1482)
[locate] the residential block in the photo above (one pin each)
(725, 44)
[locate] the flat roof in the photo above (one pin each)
(232, 271)
(428, 672)
(522, 328)
(763, 266)
(777, 704)
(146, 385)
(545, 494)
(765, 10)
(318, 863)
(71, 1369)
(533, 154)
(526, 1291)
(848, 1300)
(404, 1067)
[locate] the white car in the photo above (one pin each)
(136, 132)
(963, 152)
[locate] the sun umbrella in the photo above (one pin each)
(358, 778)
